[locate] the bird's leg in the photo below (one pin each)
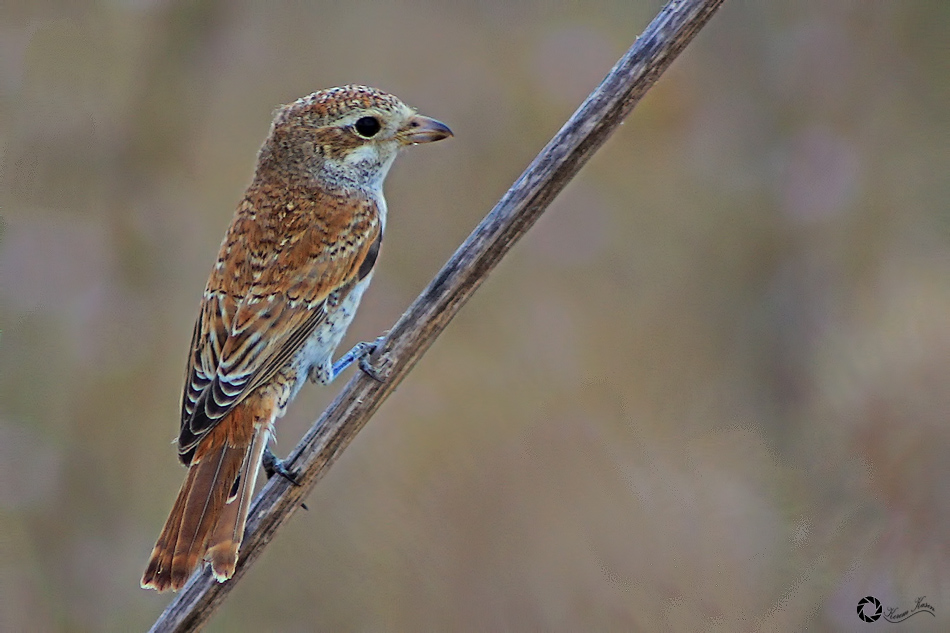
(327, 372)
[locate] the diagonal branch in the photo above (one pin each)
(596, 119)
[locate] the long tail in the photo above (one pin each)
(229, 532)
(207, 520)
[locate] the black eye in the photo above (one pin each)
(367, 126)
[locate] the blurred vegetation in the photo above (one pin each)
(707, 392)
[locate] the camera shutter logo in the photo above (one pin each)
(873, 605)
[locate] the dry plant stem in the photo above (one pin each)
(591, 125)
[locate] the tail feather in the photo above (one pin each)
(215, 475)
(226, 538)
(205, 500)
(158, 573)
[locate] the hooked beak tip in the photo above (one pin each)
(422, 129)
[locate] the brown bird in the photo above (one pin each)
(289, 276)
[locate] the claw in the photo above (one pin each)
(273, 466)
(369, 370)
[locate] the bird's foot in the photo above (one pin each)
(360, 353)
(275, 466)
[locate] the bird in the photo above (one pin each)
(294, 263)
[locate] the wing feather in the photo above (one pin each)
(264, 300)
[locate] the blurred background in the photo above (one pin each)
(708, 391)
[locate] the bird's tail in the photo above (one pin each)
(207, 520)
(229, 531)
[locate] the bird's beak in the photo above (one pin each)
(422, 129)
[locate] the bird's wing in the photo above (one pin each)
(271, 288)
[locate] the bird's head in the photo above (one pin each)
(344, 137)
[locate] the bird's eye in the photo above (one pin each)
(367, 126)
